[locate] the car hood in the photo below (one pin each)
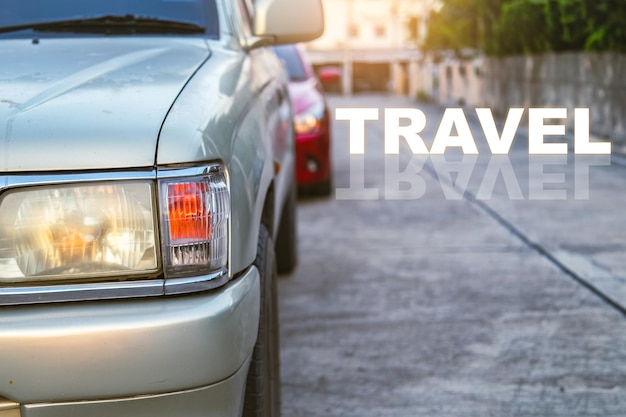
(304, 94)
(89, 103)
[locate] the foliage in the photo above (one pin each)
(454, 27)
(423, 97)
(504, 27)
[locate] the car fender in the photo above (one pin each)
(225, 119)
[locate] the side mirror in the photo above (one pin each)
(288, 21)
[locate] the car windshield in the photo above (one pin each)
(293, 63)
(109, 16)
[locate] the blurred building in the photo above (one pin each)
(373, 41)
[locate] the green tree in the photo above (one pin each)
(461, 24)
(503, 27)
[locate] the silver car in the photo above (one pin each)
(146, 170)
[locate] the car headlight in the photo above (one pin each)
(310, 120)
(115, 230)
(78, 231)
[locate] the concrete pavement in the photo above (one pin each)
(457, 302)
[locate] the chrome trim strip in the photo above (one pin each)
(7, 407)
(195, 284)
(81, 292)
(229, 270)
(41, 179)
(188, 171)
(110, 290)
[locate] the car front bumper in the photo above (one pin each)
(223, 399)
(313, 158)
(183, 356)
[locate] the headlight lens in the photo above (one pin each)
(307, 123)
(78, 232)
(310, 121)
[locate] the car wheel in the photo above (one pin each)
(286, 242)
(324, 189)
(262, 398)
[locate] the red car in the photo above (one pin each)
(312, 122)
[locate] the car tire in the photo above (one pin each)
(262, 398)
(287, 239)
(324, 189)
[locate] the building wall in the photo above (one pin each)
(592, 80)
(369, 24)
(570, 80)
(361, 34)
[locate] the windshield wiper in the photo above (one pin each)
(110, 24)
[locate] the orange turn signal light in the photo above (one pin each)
(189, 212)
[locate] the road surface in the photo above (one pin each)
(475, 286)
